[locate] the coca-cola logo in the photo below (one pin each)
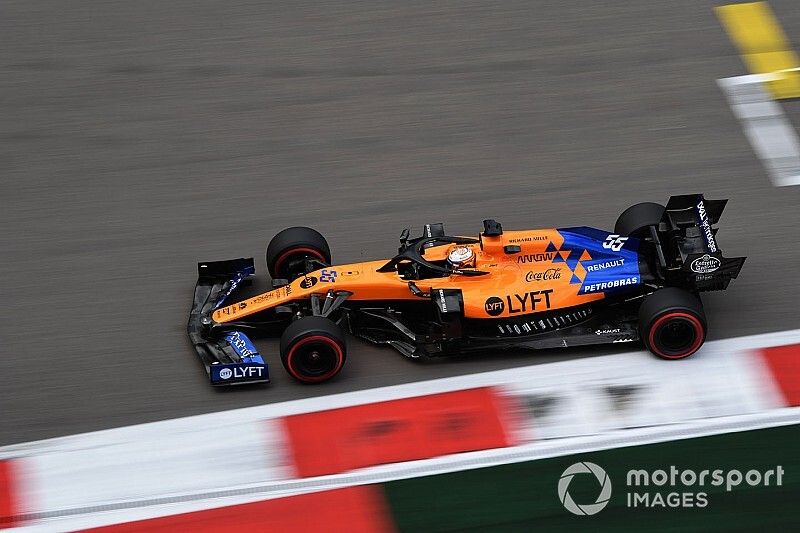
(705, 264)
(543, 275)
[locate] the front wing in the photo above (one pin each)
(229, 357)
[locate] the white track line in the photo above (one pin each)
(766, 126)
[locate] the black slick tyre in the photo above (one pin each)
(634, 221)
(672, 323)
(288, 250)
(313, 349)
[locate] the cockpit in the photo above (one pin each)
(410, 263)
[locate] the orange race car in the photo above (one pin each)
(443, 295)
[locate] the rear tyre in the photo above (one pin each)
(288, 250)
(672, 323)
(634, 221)
(313, 349)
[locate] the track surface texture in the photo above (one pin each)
(140, 137)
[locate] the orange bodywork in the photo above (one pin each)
(525, 282)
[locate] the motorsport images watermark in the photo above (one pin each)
(586, 508)
(644, 487)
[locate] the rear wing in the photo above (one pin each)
(229, 356)
(690, 254)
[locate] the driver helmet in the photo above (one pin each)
(461, 256)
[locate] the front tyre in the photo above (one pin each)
(672, 323)
(313, 349)
(289, 250)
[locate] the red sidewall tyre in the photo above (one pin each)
(296, 251)
(313, 349)
(672, 323)
(684, 318)
(296, 242)
(296, 351)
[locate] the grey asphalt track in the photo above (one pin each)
(137, 138)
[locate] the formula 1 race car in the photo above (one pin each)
(444, 295)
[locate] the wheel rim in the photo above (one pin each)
(315, 358)
(676, 335)
(290, 263)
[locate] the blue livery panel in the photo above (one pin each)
(239, 373)
(252, 368)
(243, 347)
(601, 261)
(233, 284)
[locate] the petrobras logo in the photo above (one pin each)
(613, 284)
(705, 226)
(225, 373)
(705, 264)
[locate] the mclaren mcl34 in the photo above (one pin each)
(443, 295)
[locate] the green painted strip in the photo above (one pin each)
(523, 496)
